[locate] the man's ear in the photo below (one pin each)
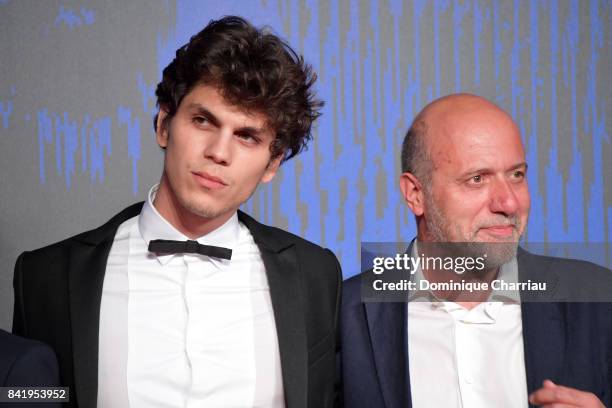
(412, 191)
(271, 169)
(161, 133)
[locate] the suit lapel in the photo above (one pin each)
(544, 342)
(544, 328)
(87, 265)
(388, 334)
(388, 329)
(283, 272)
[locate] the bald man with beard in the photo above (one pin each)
(464, 178)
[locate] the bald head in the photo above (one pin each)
(434, 127)
(453, 103)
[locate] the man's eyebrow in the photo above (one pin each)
(518, 166)
(485, 170)
(475, 170)
(202, 110)
(254, 131)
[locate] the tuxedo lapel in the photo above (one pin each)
(87, 265)
(283, 272)
(387, 327)
(544, 331)
(86, 275)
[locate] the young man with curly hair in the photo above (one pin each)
(184, 300)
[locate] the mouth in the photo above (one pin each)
(209, 181)
(501, 231)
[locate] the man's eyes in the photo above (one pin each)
(247, 137)
(477, 179)
(204, 122)
(200, 120)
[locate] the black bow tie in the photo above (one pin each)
(188, 247)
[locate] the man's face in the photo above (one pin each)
(215, 154)
(478, 190)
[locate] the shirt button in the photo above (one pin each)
(469, 379)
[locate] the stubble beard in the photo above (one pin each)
(208, 211)
(441, 230)
(203, 211)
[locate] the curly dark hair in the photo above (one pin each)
(252, 69)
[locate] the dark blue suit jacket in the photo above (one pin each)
(567, 342)
(27, 363)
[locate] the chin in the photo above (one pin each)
(211, 213)
(203, 211)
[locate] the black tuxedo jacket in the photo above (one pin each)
(58, 291)
(567, 342)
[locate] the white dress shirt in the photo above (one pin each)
(186, 330)
(460, 358)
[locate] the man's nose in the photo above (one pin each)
(503, 198)
(218, 147)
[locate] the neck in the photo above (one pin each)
(465, 298)
(475, 279)
(191, 225)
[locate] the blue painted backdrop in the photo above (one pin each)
(76, 105)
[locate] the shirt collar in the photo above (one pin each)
(508, 273)
(153, 225)
(421, 294)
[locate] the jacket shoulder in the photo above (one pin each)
(25, 362)
(563, 265)
(309, 253)
(571, 280)
(351, 290)
(273, 236)
(92, 236)
(319, 265)
(13, 346)
(295, 239)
